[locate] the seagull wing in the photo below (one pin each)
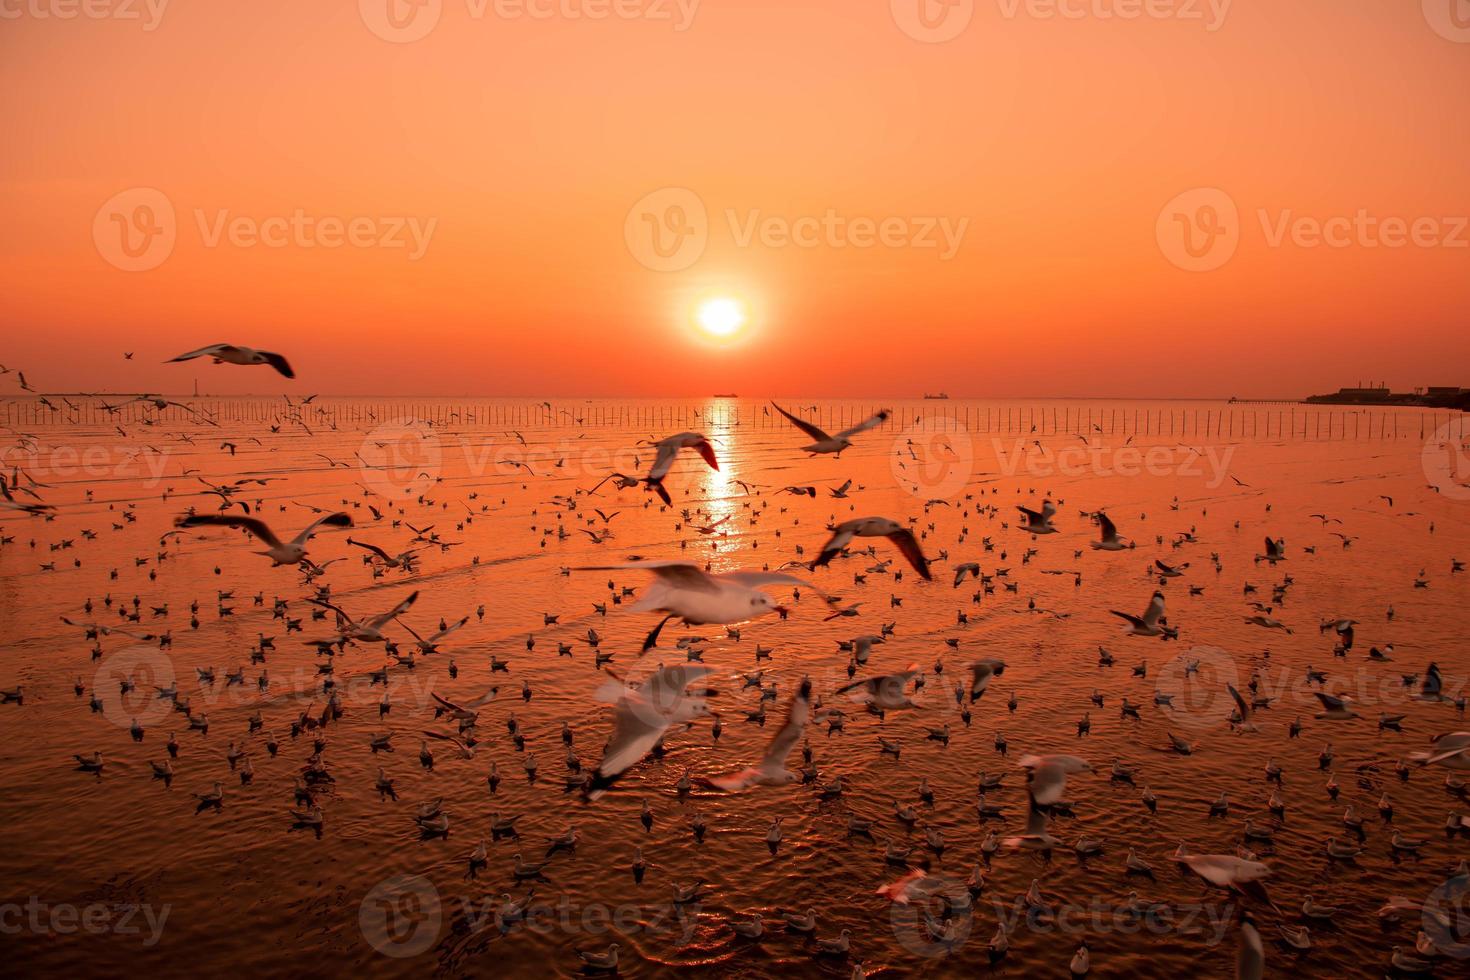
(383, 618)
(664, 461)
(371, 547)
(791, 732)
(909, 546)
(444, 702)
(339, 519)
(210, 351)
(278, 362)
(1155, 610)
(1048, 781)
(681, 574)
(817, 434)
(448, 629)
(255, 526)
(1245, 711)
(866, 424)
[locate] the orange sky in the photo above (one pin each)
(520, 143)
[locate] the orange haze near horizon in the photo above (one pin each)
(520, 144)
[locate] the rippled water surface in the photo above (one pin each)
(241, 888)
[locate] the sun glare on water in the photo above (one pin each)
(720, 317)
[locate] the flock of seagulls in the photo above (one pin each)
(663, 701)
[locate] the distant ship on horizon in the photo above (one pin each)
(940, 396)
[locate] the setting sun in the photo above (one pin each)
(722, 317)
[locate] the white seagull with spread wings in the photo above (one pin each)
(771, 770)
(233, 354)
(643, 714)
(833, 444)
(281, 552)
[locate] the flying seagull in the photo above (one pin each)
(684, 590)
(232, 354)
(668, 451)
(874, 527)
(771, 770)
(280, 552)
(833, 444)
(642, 715)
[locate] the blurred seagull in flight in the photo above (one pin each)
(1151, 623)
(668, 451)
(772, 771)
(232, 354)
(1109, 540)
(280, 552)
(833, 444)
(875, 527)
(1039, 523)
(642, 715)
(697, 597)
